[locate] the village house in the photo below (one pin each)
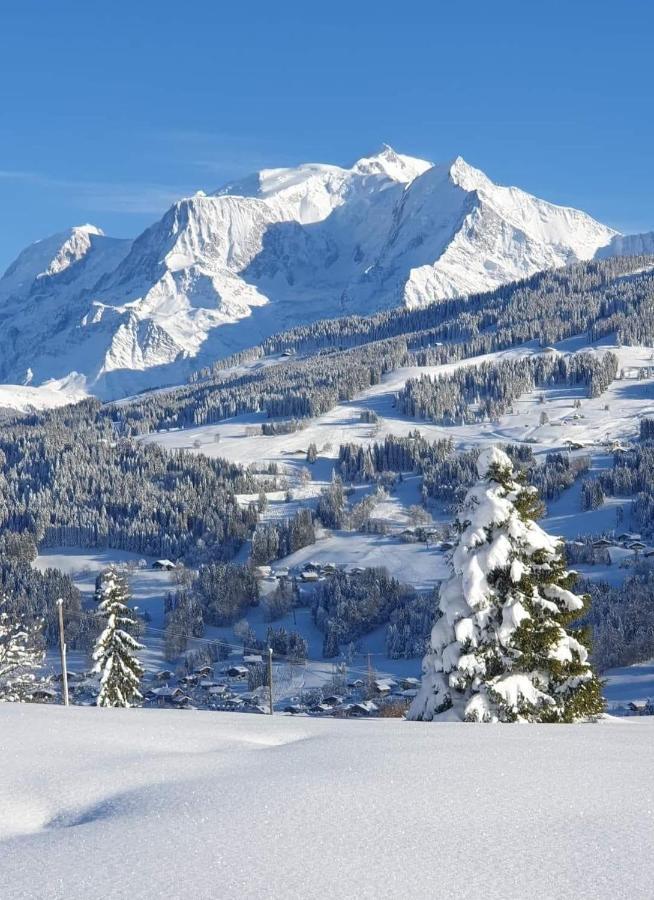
(165, 695)
(43, 694)
(309, 575)
(384, 685)
(361, 709)
(164, 565)
(204, 671)
(237, 671)
(164, 675)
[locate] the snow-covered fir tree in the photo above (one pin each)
(502, 648)
(119, 669)
(21, 652)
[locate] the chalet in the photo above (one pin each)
(233, 703)
(189, 679)
(207, 683)
(332, 700)
(204, 671)
(163, 695)
(329, 568)
(218, 690)
(294, 709)
(164, 675)
(600, 543)
(409, 683)
(321, 709)
(43, 694)
(281, 572)
(309, 575)
(164, 565)
(384, 685)
(636, 546)
(409, 536)
(628, 536)
(364, 708)
(311, 567)
(356, 684)
(252, 659)
(237, 671)
(183, 701)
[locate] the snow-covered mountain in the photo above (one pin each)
(628, 245)
(219, 272)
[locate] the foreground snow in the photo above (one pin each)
(141, 804)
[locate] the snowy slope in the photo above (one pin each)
(218, 273)
(22, 398)
(628, 245)
(145, 804)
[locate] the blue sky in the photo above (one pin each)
(112, 110)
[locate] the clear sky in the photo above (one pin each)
(111, 110)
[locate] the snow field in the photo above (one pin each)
(126, 803)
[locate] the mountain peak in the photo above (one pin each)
(395, 166)
(466, 176)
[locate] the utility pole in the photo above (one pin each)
(62, 650)
(270, 679)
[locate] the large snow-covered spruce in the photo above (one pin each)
(119, 669)
(21, 653)
(219, 272)
(502, 648)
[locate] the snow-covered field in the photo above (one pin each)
(613, 416)
(128, 803)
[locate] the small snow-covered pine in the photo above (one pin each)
(502, 648)
(119, 669)
(21, 652)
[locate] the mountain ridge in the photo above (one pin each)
(218, 272)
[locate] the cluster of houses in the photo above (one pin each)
(610, 550)
(309, 572)
(646, 708)
(425, 535)
(202, 690)
(362, 699)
